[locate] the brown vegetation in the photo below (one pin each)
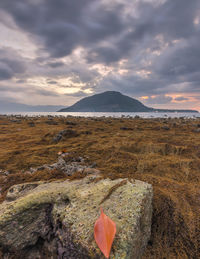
(163, 152)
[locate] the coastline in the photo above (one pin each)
(145, 115)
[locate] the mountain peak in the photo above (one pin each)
(109, 101)
(112, 101)
(111, 92)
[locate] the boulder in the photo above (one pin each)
(56, 219)
(65, 164)
(67, 133)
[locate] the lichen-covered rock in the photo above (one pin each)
(65, 166)
(56, 220)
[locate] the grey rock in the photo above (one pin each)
(31, 124)
(57, 138)
(68, 133)
(165, 128)
(4, 173)
(70, 123)
(67, 167)
(15, 120)
(196, 130)
(58, 218)
(33, 170)
(93, 165)
(51, 122)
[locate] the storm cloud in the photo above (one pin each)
(140, 48)
(11, 64)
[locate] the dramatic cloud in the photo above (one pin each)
(159, 99)
(59, 51)
(11, 64)
(5, 72)
(180, 99)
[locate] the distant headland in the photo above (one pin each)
(112, 101)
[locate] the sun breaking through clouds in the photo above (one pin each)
(56, 52)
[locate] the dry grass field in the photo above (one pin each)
(163, 152)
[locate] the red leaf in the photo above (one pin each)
(104, 233)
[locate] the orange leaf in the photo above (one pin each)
(104, 233)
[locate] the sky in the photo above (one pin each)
(55, 52)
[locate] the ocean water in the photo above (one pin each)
(109, 114)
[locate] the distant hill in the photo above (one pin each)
(19, 107)
(112, 101)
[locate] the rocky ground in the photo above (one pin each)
(162, 152)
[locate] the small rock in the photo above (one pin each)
(93, 165)
(165, 128)
(87, 132)
(126, 128)
(5, 173)
(196, 130)
(91, 171)
(51, 122)
(68, 133)
(57, 138)
(33, 170)
(31, 124)
(70, 123)
(16, 121)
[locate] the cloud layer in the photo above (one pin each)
(65, 50)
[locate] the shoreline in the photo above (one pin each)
(116, 115)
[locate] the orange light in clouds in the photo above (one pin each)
(144, 97)
(190, 99)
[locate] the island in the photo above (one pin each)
(112, 101)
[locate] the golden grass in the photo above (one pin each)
(168, 159)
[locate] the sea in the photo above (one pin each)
(147, 115)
